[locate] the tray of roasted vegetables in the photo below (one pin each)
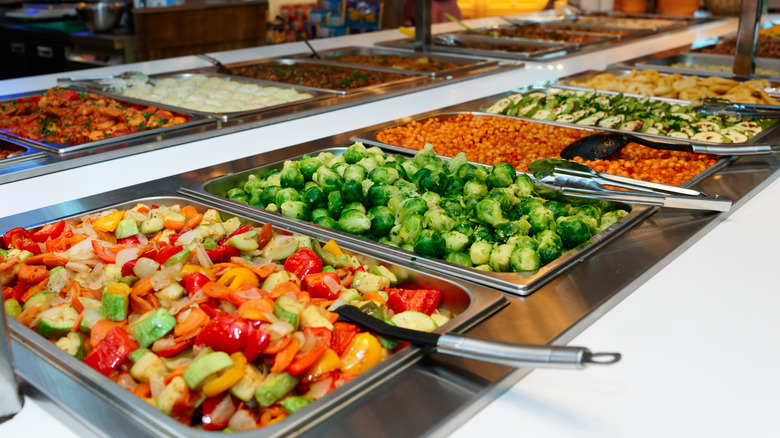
(489, 225)
(208, 321)
(64, 120)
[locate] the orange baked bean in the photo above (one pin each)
(491, 140)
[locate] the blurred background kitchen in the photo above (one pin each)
(55, 36)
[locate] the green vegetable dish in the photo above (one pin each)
(491, 219)
(628, 113)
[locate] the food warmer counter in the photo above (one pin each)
(452, 389)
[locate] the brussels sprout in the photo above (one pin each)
(550, 236)
(523, 241)
(499, 257)
(427, 158)
(501, 175)
(410, 167)
(327, 222)
(382, 220)
(429, 180)
(529, 204)
(310, 184)
(430, 243)
(327, 179)
(509, 229)
(330, 160)
(376, 151)
(371, 162)
(558, 208)
(431, 199)
(384, 175)
(339, 168)
(380, 194)
(408, 230)
(475, 188)
(254, 198)
(288, 194)
(524, 185)
(459, 258)
(453, 186)
(386, 240)
(354, 221)
(237, 194)
(407, 247)
(484, 232)
(320, 212)
(436, 219)
(411, 206)
(366, 185)
(354, 206)
(254, 183)
(295, 210)
(540, 219)
(607, 219)
(488, 211)
(273, 178)
(572, 230)
(479, 252)
(273, 208)
(292, 176)
(269, 195)
(586, 210)
(504, 197)
(455, 241)
(397, 164)
(355, 153)
(315, 198)
(464, 227)
(406, 188)
(453, 207)
(352, 191)
(454, 164)
(309, 165)
(335, 204)
(592, 223)
(524, 259)
(355, 172)
(468, 172)
(470, 204)
(485, 268)
(548, 251)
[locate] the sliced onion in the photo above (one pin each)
(140, 217)
(125, 380)
(332, 283)
(203, 257)
(165, 277)
(126, 255)
(89, 231)
(186, 238)
(279, 329)
(223, 411)
(142, 239)
(157, 385)
(319, 388)
(301, 338)
(83, 247)
(336, 304)
(145, 267)
(180, 362)
(242, 420)
(77, 267)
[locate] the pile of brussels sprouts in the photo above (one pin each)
(491, 219)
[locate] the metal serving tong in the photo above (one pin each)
(578, 180)
(513, 355)
(725, 107)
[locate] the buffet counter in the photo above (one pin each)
(671, 323)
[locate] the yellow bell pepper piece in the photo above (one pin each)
(191, 269)
(333, 248)
(229, 378)
(408, 31)
(328, 362)
(236, 278)
(362, 353)
(109, 222)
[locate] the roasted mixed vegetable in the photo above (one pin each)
(492, 219)
(628, 113)
(217, 323)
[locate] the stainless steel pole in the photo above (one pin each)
(422, 25)
(10, 398)
(747, 36)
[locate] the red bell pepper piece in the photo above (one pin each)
(303, 262)
(223, 253)
(102, 254)
(343, 332)
(127, 268)
(232, 334)
(264, 235)
(241, 230)
(194, 282)
(49, 232)
(19, 238)
(318, 287)
(111, 351)
(184, 407)
(131, 240)
(166, 253)
(420, 300)
(309, 354)
(167, 346)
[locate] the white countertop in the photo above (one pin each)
(702, 367)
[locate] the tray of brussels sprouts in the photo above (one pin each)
(491, 225)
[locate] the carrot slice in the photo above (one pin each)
(285, 357)
(216, 290)
(28, 315)
(278, 345)
(195, 320)
(34, 290)
(142, 287)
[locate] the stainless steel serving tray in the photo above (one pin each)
(21, 152)
(98, 85)
(40, 363)
(511, 48)
(462, 64)
(596, 38)
(411, 77)
(636, 21)
(691, 60)
(617, 32)
(517, 283)
(195, 120)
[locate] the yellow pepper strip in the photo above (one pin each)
(109, 222)
(362, 353)
(333, 248)
(191, 269)
(236, 278)
(328, 362)
(229, 378)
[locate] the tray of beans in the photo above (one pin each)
(65, 120)
(593, 28)
(705, 64)
(325, 75)
(634, 21)
(655, 83)
(543, 33)
(178, 319)
(767, 46)
(484, 45)
(11, 152)
(433, 64)
(208, 93)
(486, 224)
